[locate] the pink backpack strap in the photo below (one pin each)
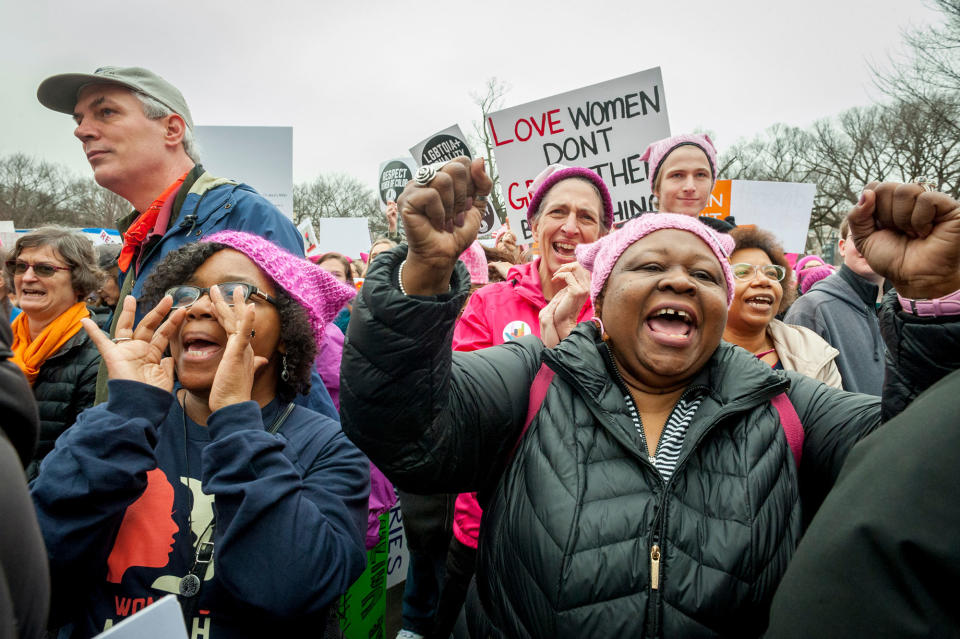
(538, 390)
(792, 427)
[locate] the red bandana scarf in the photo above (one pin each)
(141, 227)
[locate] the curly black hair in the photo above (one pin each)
(295, 329)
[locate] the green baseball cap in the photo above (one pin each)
(59, 92)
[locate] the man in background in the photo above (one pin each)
(842, 309)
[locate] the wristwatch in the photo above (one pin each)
(942, 306)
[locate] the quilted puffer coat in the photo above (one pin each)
(65, 386)
(581, 537)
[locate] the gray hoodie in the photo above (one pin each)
(841, 309)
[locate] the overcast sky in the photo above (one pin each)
(361, 82)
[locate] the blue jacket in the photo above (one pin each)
(213, 204)
(131, 488)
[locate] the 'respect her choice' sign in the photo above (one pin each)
(605, 127)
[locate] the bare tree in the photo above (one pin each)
(929, 69)
(338, 195)
(34, 193)
(490, 100)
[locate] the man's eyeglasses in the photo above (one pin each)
(184, 296)
(40, 269)
(747, 272)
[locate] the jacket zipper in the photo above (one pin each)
(659, 522)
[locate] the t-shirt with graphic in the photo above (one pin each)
(133, 486)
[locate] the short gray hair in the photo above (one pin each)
(155, 110)
(603, 217)
(74, 247)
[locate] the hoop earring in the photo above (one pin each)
(285, 369)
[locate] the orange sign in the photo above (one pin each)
(719, 205)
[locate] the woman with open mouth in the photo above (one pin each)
(569, 206)
(200, 477)
(53, 270)
(642, 478)
(759, 271)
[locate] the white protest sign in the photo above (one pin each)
(605, 127)
(392, 178)
(261, 156)
(443, 146)
(346, 235)
(783, 208)
(309, 237)
(162, 619)
(398, 553)
(8, 234)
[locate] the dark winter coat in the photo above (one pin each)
(841, 309)
(65, 386)
(882, 557)
(571, 519)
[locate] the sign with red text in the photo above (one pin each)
(443, 146)
(783, 208)
(605, 127)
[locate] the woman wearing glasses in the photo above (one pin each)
(200, 477)
(759, 270)
(52, 271)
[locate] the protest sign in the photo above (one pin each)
(346, 235)
(443, 147)
(362, 609)
(309, 237)
(783, 208)
(605, 127)
(261, 156)
(8, 234)
(398, 555)
(161, 619)
(393, 177)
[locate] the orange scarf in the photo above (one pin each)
(141, 227)
(30, 355)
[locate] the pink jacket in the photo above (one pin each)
(495, 314)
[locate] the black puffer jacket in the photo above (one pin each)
(565, 543)
(65, 386)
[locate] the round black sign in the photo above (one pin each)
(443, 147)
(393, 178)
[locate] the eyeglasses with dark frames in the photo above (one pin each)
(40, 269)
(184, 296)
(744, 271)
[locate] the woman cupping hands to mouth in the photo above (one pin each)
(265, 501)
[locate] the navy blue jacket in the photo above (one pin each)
(130, 489)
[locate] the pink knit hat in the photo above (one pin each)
(476, 261)
(600, 257)
(810, 276)
(557, 172)
(659, 150)
(320, 294)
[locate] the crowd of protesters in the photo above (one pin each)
(666, 429)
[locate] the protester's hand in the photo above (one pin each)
(910, 237)
(233, 381)
(559, 317)
(502, 268)
(137, 355)
(441, 221)
(391, 214)
(508, 243)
